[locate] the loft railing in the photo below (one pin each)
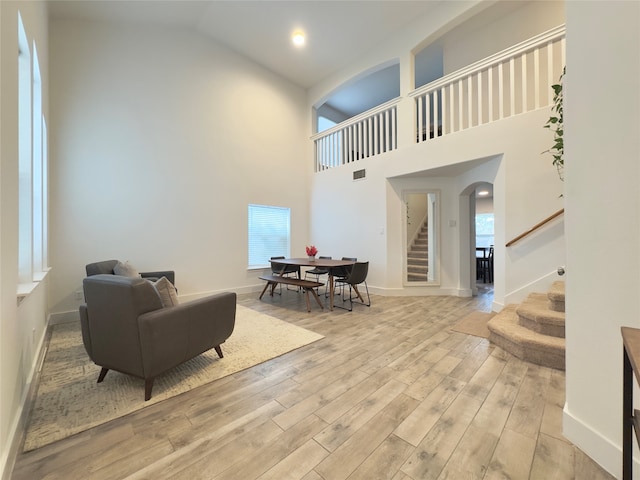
(535, 227)
(370, 133)
(516, 80)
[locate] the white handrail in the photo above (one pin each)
(551, 35)
(361, 116)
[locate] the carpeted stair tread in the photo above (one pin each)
(556, 296)
(506, 332)
(535, 314)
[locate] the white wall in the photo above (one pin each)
(602, 121)
(501, 26)
(22, 327)
(161, 138)
(484, 205)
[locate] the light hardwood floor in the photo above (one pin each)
(389, 393)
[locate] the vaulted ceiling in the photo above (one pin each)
(337, 32)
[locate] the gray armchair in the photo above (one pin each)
(107, 266)
(125, 328)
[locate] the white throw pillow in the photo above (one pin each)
(125, 269)
(167, 292)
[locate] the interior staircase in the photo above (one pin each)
(533, 330)
(417, 257)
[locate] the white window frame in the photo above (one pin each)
(33, 169)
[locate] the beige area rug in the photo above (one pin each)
(474, 324)
(70, 401)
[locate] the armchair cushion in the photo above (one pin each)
(125, 269)
(167, 292)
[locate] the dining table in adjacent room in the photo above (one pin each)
(318, 262)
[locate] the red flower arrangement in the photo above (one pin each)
(312, 251)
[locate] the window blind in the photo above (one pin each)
(269, 234)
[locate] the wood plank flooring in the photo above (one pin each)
(389, 393)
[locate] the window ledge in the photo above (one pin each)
(25, 289)
(258, 267)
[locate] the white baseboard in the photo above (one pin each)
(19, 424)
(600, 449)
(540, 285)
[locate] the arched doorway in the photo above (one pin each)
(477, 238)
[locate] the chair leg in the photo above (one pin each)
(148, 385)
(218, 349)
(358, 295)
(103, 373)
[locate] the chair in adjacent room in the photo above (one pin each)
(357, 275)
(485, 267)
(126, 327)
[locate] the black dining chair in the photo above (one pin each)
(284, 269)
(357, 275)
(317, 271)
(341, 272)
(484, 267)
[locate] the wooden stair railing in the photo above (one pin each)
(535, 227)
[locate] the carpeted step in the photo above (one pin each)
(556, 296)
(417, 277)
(535, 315)
(506, 332)
(420, 269)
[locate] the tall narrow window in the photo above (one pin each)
(269, 234)
(25, 144)
(37, 172)
(32, 167)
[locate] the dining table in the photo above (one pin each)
(318, 262)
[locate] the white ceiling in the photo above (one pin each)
(338, 32)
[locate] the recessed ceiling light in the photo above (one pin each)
(298, 38)
(483, 192)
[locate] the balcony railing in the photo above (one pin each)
(370, 133)
(514, 81)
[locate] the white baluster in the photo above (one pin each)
(550, 73)
(524, 83)
(500, 91)
(536, 78)
(419, 108)
(470, 101)
(512, 86)
(490, 92)
(436, 113)
(460, 106)
(392, 128)
(428, 124)
(480, 97)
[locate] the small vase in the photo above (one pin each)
(312, 258)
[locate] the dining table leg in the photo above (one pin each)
(331, 288)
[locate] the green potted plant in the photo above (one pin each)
(556, 125)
